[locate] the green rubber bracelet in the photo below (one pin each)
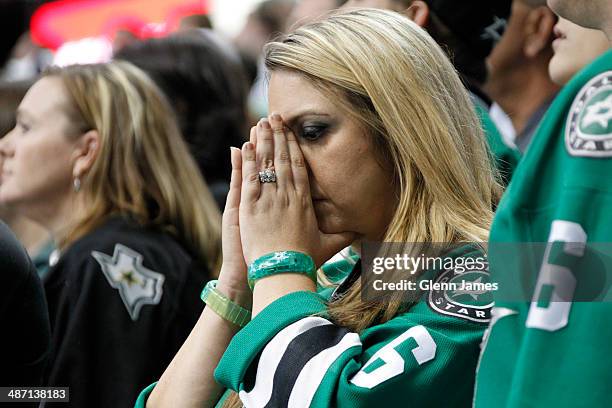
(281, 262)
(224, 307)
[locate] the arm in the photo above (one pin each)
(188, 381)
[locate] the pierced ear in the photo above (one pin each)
(86, 152)
(418, 12)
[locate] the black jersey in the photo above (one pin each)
(24, 322)
(122, 300)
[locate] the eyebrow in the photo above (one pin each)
(310, 112)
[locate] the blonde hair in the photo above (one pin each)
(143, 168)
(393, 78)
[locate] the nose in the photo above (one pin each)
(6, 145)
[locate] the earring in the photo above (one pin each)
(76, 184)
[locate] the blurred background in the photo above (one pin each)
(37, 32)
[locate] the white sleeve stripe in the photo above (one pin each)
(270, 358)
(313, 372)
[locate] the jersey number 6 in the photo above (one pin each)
(554, 315)
(393, 362)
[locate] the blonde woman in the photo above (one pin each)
(97, 159)
(373, 137)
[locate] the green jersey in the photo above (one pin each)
(292, 355)
(552, 351)
(506, 158)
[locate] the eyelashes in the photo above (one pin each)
(313, 132)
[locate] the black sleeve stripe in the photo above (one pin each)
(298, 353)
(287, 355)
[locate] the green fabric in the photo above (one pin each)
(141, 402)
(506, 157)
(561, 359)
(247, 342)
(451, 369)
(336, 271)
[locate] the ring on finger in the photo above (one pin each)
(267, 175)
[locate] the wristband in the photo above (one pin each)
(224, 307)
(281, 262)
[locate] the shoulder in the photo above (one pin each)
(129, 233)
(588, 110)
(131, 264)
(124, 250)
(124, 240)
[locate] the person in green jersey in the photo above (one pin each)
(375, 141)
(551, 352)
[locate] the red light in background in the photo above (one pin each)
(67, 20)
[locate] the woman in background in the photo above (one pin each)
(97, 158)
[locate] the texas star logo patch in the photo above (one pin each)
(467, 299)
(137, 285)
(588, 131)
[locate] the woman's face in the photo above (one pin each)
(350, 189)
(36, 156)
(575, 47)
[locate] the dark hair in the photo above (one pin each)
(469, 30)
(204, 80)
(471, 66)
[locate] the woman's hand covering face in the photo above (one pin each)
(279, 216)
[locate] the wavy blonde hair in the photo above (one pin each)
(143, 168)
(392, 77)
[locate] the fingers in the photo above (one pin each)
(250, 174)
(298, 164)
(233, 196)
(264, 145)
(282, 159)
(265, 150)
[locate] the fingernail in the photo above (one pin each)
(249, 146)
(265, 124)
(275, 116)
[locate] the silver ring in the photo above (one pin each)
(267, 176)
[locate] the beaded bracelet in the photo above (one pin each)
(224, 307)
(281, 262)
